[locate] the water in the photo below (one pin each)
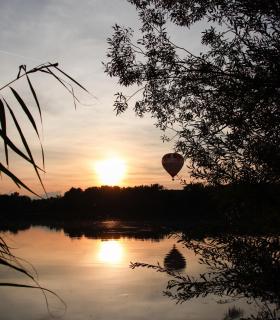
(93, 277)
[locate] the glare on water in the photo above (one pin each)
(110, 251)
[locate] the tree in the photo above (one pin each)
(236, 267)
(65, 80)
(223, 104)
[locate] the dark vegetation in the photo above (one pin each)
(220, 105)
(223, 106)
(235, 267)
(236, 207)
(7, 109)
(9, 118)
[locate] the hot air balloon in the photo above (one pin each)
(172, 163)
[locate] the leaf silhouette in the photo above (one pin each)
(46, 68)
(16, 149)
(76, 82)
(4, 128)
(34, 96)
(26, 110)
(16, 180)
(71, 91)
(25, 144)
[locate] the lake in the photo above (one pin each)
(92, 276)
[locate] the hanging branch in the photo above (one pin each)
(68, 82)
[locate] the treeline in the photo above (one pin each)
(251, 203)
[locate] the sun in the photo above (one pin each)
(110, 171)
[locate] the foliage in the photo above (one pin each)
(203, 210)
(59, 75)
(237, 266)
(223, 104)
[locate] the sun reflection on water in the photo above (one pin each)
(110, 251)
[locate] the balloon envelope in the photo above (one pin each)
(172, 163)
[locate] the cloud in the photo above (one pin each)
(74, 34)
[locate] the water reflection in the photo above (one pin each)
(110, 251)
(236, 267)
(233, 313)
(230, 270)
(174, 260)
(92, 229)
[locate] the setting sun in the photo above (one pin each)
(110, 171)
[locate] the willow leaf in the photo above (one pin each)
(25, 144)
(31, 119)
(10, 265)
(21, 67)
(44, 290)
(40, 112)
(72, 79)
(19, 285)
(64, 85)
(26, 110)
(16, 149)
(34, 96)
(4, 128)
(16, 180)
(74, 101)
(39, 109)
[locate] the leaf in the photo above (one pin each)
(74, 100)
(37, 286)
(34, 96)
(39, 109)
(26, 110)
(4, 128)
(40, 113)
(64, 85)
(8, 264)
(31, 119)
(16, 149)
(16, 180)
(76, 82)
(25, 144)
(21, 67)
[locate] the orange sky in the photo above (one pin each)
(74, 140)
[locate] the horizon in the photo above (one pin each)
(54, 194)
(75, 140)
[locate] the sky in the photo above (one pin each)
(73, 33)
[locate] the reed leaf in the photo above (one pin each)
(46, 68)
(26, 110)
(64, 85)
(16, 149)
(39, 109)
(25, 144)
(7, 256)
(35, 97)
(4, 128)
(12, 266)
(16, 180)
(69, 77)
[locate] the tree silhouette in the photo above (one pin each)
(223, 104)
(236, 266)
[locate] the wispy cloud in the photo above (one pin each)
(74, 33)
